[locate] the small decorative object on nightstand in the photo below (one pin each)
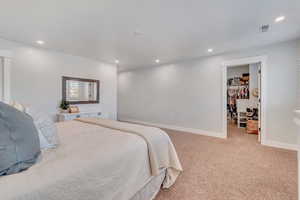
(71, 116)
(74, 109)
(64, 106)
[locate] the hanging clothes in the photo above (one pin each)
(234, 93)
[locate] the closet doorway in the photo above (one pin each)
(244, 97)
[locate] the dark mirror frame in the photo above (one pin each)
(64, 86)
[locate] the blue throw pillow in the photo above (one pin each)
(19, 142)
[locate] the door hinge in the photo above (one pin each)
(259, 71)
(259, 100)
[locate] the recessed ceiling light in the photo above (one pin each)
(157, 60)
(40, 42)
(210, 50)
(117, 61)
(280, 19)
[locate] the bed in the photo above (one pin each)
(96, 161)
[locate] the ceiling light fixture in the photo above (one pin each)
(280, 19)
(157, 60)
(117, 61)
(210, 50)
(40, 42)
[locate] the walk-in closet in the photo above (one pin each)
(243, 83)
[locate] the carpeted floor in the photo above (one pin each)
(238, 168)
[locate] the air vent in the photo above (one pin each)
(264, 28)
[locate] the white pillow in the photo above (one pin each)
(46, 128)
(18, 106)
(44, 144)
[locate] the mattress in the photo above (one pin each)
(91, 163)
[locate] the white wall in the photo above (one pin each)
(189, 94)
(36, 78)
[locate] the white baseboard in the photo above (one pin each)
(280, 145)
(178, 128)
(209, 133)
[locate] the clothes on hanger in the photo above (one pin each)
(237, 88)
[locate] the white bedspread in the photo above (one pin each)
(162, 154)
(92, 163)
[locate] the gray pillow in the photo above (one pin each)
(19, 142)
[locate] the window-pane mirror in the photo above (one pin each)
(80, 91)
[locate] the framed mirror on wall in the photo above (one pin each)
(80, 90)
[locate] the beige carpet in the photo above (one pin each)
(238, 168)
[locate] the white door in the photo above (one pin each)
(1, 80)
(259, 101)
(5, 64)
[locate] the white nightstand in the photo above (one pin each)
(70, 116)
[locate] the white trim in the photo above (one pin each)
(5, 58)
(269, 143)
(243, 61)
(177, 128)
(281, 145)
(6, 79)
(298, 157)
(6, 54)
(297, 121)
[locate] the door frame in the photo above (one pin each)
(263, 92)
(6, 59)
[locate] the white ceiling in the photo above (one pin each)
(167, 29)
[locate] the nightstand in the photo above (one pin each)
(70, 116)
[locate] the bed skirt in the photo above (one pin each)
(151, 189)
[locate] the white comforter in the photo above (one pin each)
(162, 154)
(92, 163)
